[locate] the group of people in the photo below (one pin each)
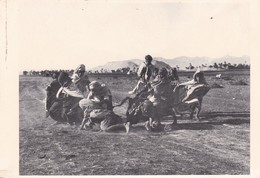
(78, 101)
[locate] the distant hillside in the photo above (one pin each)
(132, 64)
(114, 65)
(233, 60)
(182, 62)
(185, 61)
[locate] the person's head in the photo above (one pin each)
(155, 71)
(148, 59)
(64, 79)
(81, 68)
(174, 74)
(95, 87)
(163, 72)
(55, 75)
(199, 76)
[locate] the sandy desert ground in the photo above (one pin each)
(218, 144)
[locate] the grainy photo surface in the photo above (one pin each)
(132, 87)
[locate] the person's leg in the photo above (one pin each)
(147, 125)
(173, 114)
(86, 123)
(86, 119)
(64, 115)
(67, 105)
(127, 127)
(84, 103)
(133, 115)
(55, 112)
(197, 109)
(112, 123)
(116, 128)
(87, 106)
(136, 88)
(73, 114)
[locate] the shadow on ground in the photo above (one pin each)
(209, 115)
(208, 121)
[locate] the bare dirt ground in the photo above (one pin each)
(218, 144)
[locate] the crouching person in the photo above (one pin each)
(80, 79)
(161, 97)
(54, 105)
(71, 96)
(157, 105)
(98, 108)
(191, 93)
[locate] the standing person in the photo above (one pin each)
(80, 78)
(144, 72)
(71, 96)
(54, 105)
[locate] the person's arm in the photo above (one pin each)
(93, 98)
(191, 82)
(86, 81)
(141, 70)
(75, 78)
(73, 93)
(149, 71)
(59, 92)
(108, 101)
(90, 95)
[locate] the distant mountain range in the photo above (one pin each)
(182, 62)
(132, 64)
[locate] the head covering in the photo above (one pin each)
(199, 76)
(81, 67)
(63, 78)
(148, 58)
(174, 74)
(94, 85)
(55, 75)
(163, 72)
(156, 70)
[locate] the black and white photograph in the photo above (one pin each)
(122, 88)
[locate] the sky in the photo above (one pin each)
(60, 34)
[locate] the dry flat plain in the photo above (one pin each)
(218, 144)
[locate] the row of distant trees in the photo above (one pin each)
(49, 73)
(221, 65)
(45, 73)
(128, 70)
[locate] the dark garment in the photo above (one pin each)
(162, 92)
(71, 110)
(107, 121)
(173, 75)
(55, 111)
(54, 105)
(81, 81)
(139, 110)
(52, 90)
(145, 71)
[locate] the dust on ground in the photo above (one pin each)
(218, 144)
